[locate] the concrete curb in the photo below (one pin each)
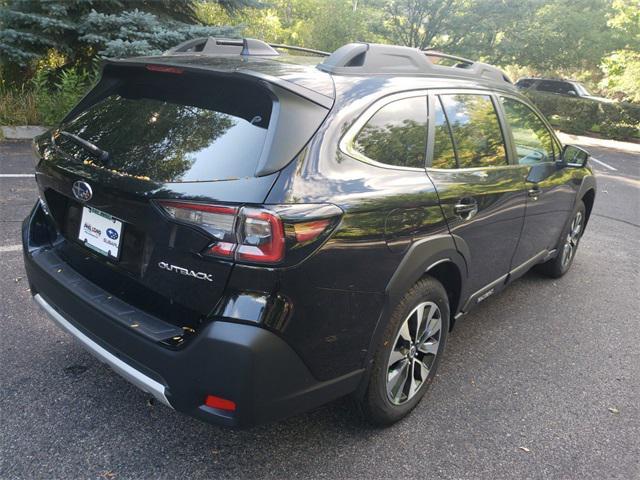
(628, 147)
(26, 132)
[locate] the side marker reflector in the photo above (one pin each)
(220, 403)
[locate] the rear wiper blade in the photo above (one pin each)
(102, 155)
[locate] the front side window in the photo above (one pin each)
(533, 141)
(475, 129)
(396, 134)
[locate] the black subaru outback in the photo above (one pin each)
(245, 234)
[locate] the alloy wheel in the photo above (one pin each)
(571, 242)
(414, 352)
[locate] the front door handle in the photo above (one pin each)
(466, 208)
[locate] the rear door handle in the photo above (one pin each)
(466, 208)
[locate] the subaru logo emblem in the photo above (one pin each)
(82, 191)
(112, 234)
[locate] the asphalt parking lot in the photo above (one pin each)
(542, 381)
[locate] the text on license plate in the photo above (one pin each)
(100, 232)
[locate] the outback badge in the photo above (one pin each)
(185, 271)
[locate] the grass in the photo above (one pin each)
(19, 107)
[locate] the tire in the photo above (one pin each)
(567, 246)
(391, 394)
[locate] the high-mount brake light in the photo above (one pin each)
(164, 69)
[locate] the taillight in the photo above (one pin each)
(256, 235)
(217, 220)
(261, 236)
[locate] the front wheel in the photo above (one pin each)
(558, 266)
(408, 356)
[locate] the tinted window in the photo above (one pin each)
(396, 134)
(555, 87)
(443, 153)
(176, 129)
(524, 83)
(533, 141)
(476, 130)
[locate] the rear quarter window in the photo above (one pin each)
(174, 128)
(396, 134)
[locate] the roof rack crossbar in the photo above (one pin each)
(231, 46)
(224, 46)
(378, 59)
(435, 53)
(299, 49)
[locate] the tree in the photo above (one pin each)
(622, 67)
(78, 29)
(417, 23)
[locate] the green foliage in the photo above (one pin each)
(320, 24)
(46, 98)
(57, 93)
(619, 121)
(622, 74)
(80, 29)
(136, 33)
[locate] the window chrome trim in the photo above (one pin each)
(348, 139)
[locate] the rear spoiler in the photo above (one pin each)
(297, 112)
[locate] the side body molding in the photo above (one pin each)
(420, 257)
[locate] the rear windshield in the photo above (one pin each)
(174, 128)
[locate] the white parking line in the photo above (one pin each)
(10, 248)
(606, 165)
(17, 175)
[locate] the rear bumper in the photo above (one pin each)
(247, 364)
(139, 379)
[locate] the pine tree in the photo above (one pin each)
(80, 29)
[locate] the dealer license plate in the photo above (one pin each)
(100, 232)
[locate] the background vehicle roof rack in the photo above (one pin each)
(377, 59)
(228, 46)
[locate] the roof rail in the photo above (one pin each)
(227, 46)
(378, 59)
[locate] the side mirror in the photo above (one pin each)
(574, 156)
(572, 93)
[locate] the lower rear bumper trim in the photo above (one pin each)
(139, 379)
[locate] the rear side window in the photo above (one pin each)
(533, 141)
(396, 134)
(476, 131)
(555, 87)
(525, 83)
(176, 128)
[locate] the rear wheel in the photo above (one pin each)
(558, 266)
(408, 356)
